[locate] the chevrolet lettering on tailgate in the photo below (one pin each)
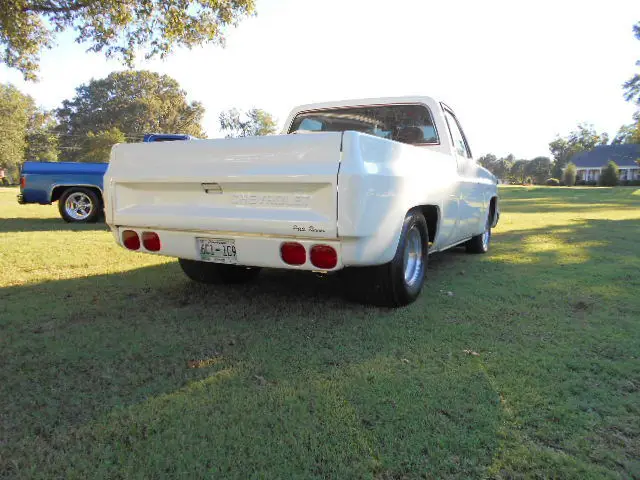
(266, 200)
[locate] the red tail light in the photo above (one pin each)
(293, 253)
(23, 182)
(131, 240)
(151, 241)
(324, 256)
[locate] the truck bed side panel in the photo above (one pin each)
(379, 182)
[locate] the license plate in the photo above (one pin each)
(217, 250)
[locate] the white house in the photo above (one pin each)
(591, 163)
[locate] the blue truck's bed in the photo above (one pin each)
(42, 178)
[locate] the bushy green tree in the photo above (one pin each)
(487, 160)
(629, 133)
(518, 171)
(252, 123)
(538, 169)
(16, 110)
(132, 102)
(42, 141)
(96, 147)
(563, 148)
(121, 29)
(632, 86)
(610, 175)
(569, 175)
(500, 167)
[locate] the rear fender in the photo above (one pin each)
(378, 183)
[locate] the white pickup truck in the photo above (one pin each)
(367, 187)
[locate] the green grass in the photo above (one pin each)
(113, 365)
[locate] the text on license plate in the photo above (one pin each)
(218, 250)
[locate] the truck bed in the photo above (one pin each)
(41, 178)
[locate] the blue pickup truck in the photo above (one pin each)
(77, 187)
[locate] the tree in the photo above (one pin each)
(518, 171)
(487, 160)
(120, 29)
(570, 175)
(500, 167)
(539, 169)
(582, 139)
(632, 86)
(96, 147)
(42, 142)
(629, 133)
(15, 113)
(610, 175)
(133, 102)
(254, 122)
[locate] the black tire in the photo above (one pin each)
(385, 285)
(89, 211)
(217, 273)
(480, 243)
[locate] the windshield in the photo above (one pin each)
(410, 124)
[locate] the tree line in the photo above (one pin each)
(558, 169)
(541, 169)
(119, 108)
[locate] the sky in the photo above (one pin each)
(516, 74)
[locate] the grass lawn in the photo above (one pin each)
(113, 365)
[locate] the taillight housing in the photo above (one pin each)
(23, 182)
(151, 241)
(131, 240)
(324, 257)
(293, 253)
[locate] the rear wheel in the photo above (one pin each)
(212, 273)
(79, 205)
(400, 281)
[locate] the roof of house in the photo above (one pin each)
(624, 156)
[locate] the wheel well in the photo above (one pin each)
(492, 209)
(431, 215)
(57, 192)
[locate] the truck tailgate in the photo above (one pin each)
(273, 185)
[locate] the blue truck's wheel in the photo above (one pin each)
(79, 205)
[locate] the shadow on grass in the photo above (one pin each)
(288, 368)
(46, 225)
(144, 372)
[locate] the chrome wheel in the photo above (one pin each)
(78, 206)
(413, 261)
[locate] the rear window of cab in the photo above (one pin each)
(406, 123)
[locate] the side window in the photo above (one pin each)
(457, 137)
